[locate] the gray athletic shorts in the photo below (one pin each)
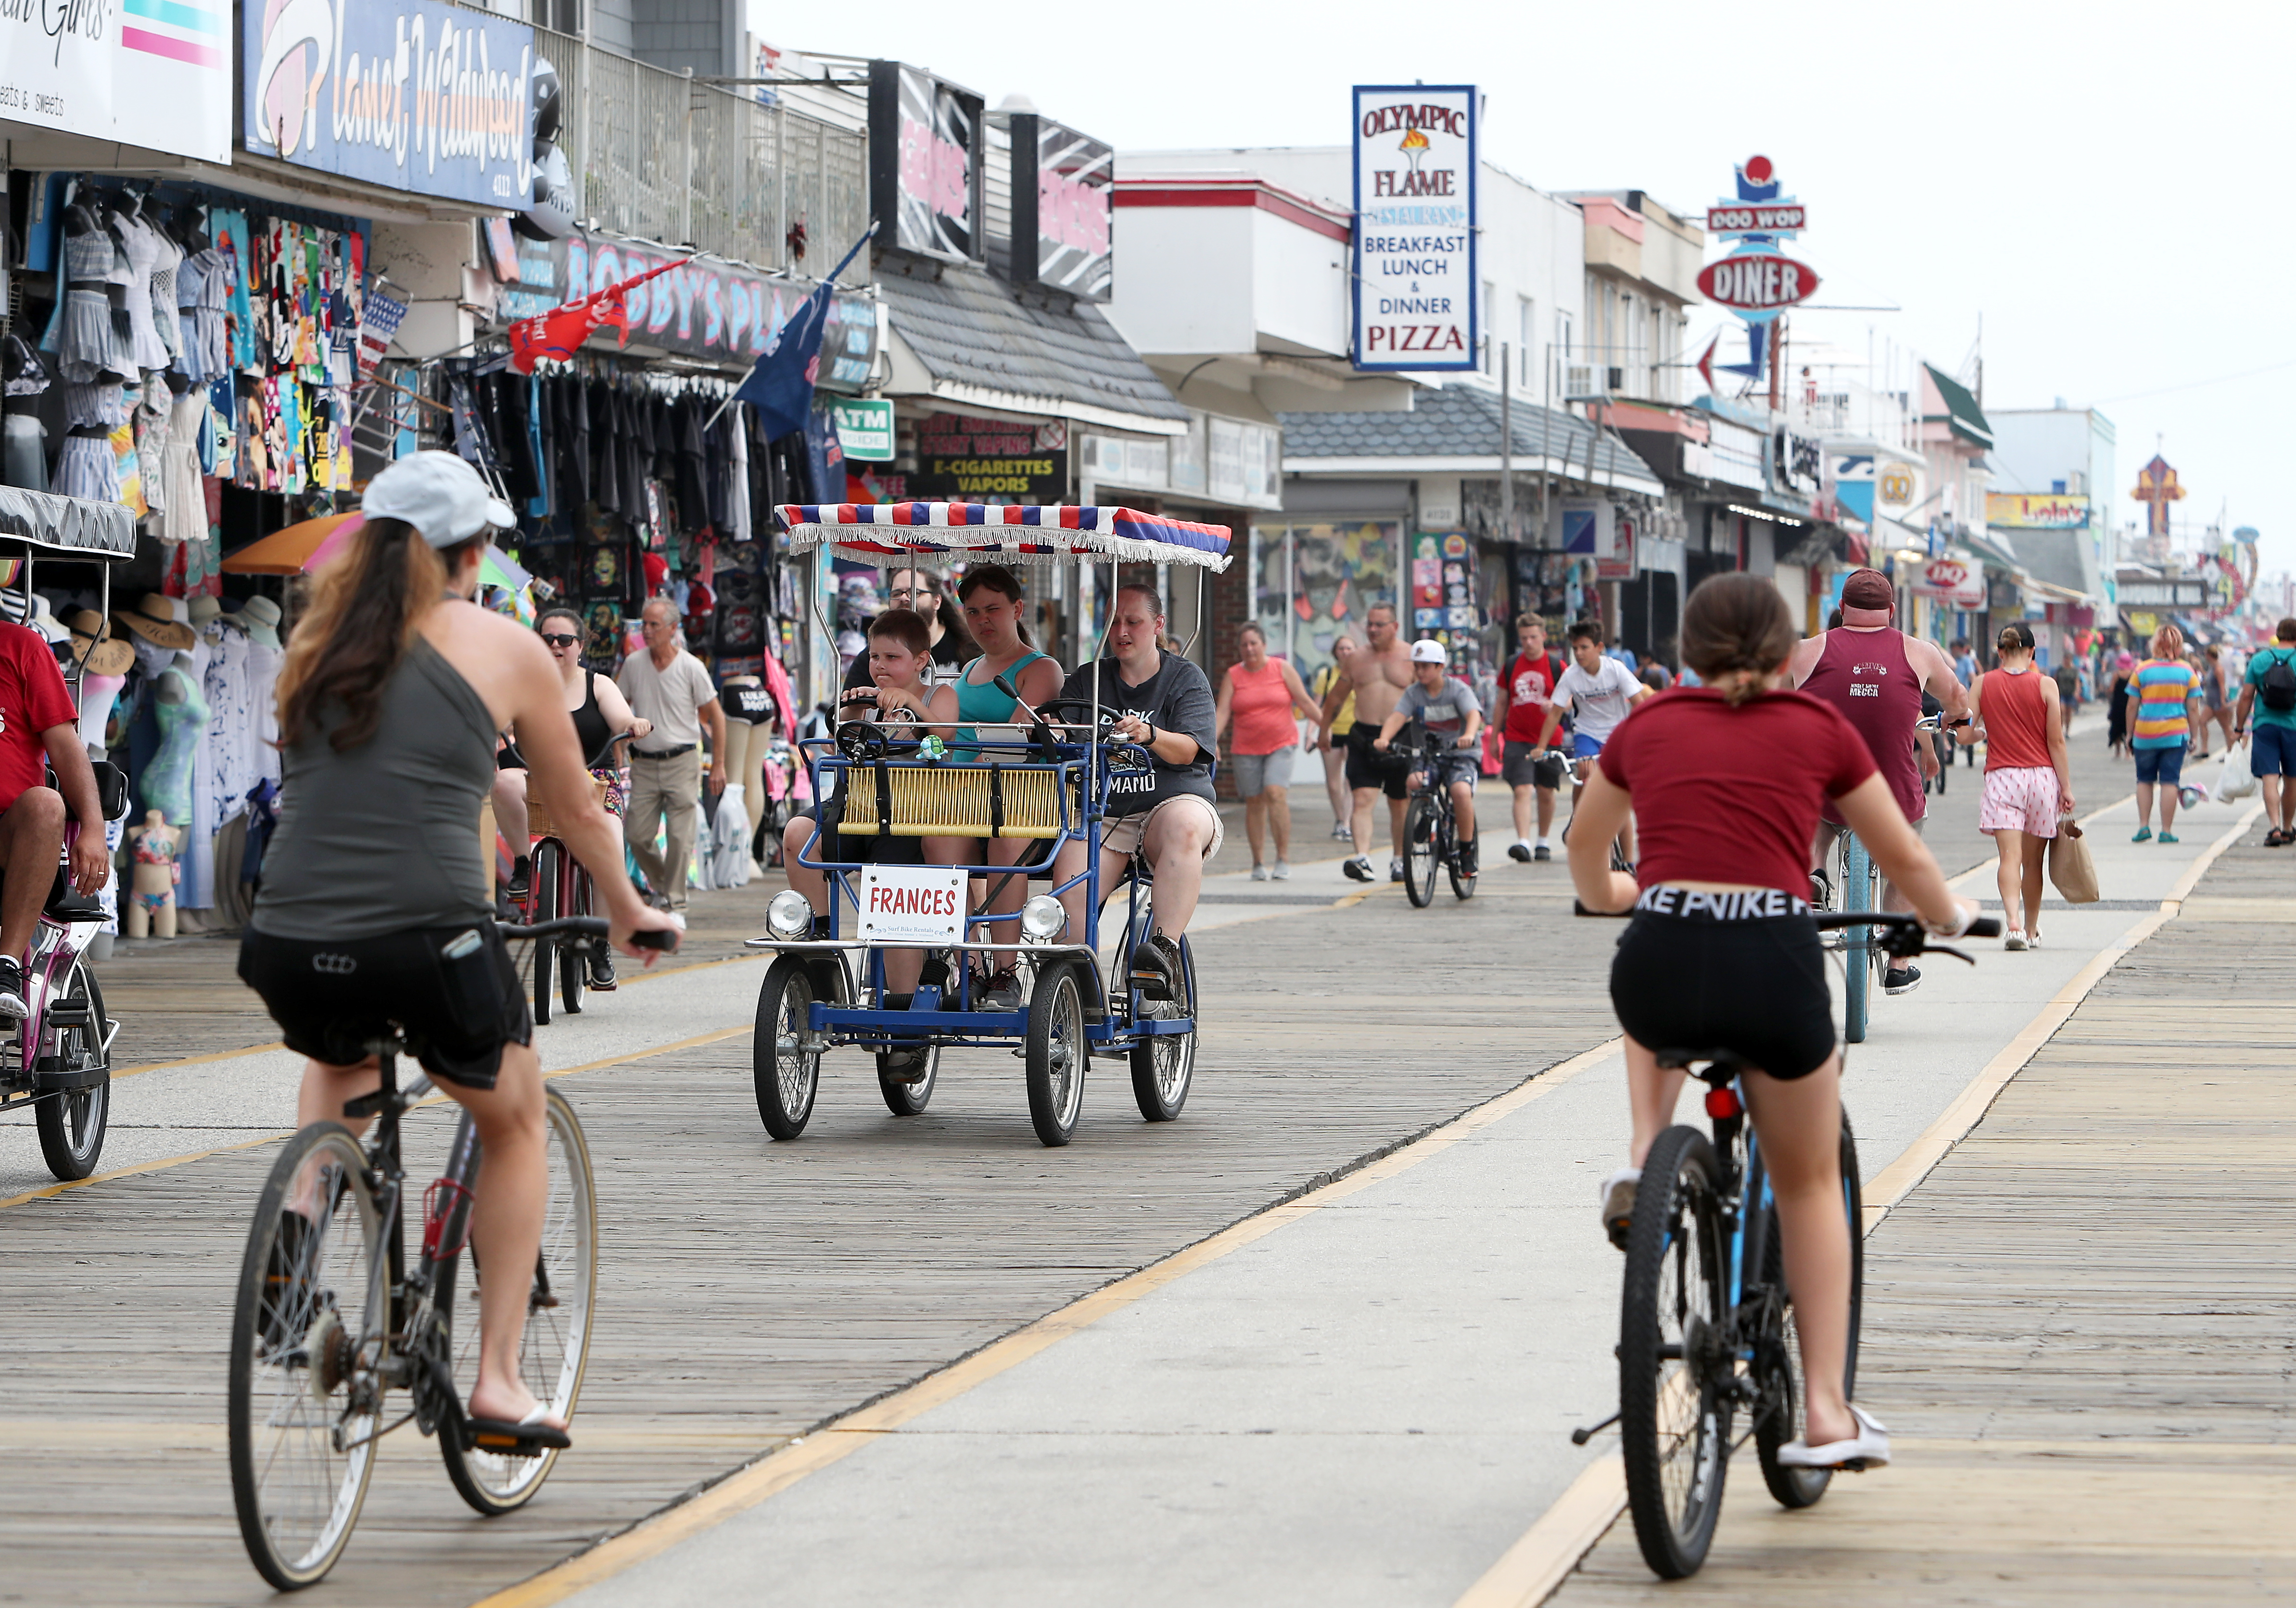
(1251, 770)
(1520, 767)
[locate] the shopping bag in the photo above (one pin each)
(2070, 866)
(2234, 780)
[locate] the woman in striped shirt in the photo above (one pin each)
(2163, 690)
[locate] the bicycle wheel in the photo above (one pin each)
(556, 1345)
(1858, 942)
(909, 1099)
(785, 1056)
(1164, 1064)
(1419, 851)
(547, 858)
(1784, 1416)
(1053, 1051)
(1675, 1362)
(1463, 883)
(574, 958)
(72, 1122)
(303, 1402)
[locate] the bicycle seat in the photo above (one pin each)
(1713, 1066)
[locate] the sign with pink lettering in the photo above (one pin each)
(924, 163)
(1063, 209)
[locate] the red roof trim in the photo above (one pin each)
(1232, 193)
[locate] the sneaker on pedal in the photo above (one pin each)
(602, 980)
(1619, 1203)
(11, 988)
(1156, 967)
(1358, 869)
(1901, 980)
(1467, 856)
(1519, 850)
(522, 878)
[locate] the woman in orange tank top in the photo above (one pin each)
(1260, 695)
(2028, 784)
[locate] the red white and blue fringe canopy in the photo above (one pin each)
(1010, 535)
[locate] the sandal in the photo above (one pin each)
(528, 1437)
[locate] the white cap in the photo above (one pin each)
(441, 495)
(1428, 650)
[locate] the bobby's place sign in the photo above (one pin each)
(1414, 241)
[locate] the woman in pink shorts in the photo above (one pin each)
(2028, 784)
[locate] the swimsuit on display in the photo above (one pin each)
(168, 779)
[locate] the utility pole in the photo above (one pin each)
(1506, 443)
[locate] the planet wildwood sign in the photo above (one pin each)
(1757, 282)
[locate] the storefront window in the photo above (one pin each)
(1339, 574)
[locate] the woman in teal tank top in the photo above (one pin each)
(993, 612)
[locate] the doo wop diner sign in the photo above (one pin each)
(1414, 279)
(1757, 282)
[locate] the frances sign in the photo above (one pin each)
(1416, 155)
(412, 94)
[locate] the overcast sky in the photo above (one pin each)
(2071, 176)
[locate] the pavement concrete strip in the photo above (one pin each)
(1362, 1408)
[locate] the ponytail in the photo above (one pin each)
(362, 619)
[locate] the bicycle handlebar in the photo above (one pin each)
(587, 926)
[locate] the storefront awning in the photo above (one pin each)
(975, 341)
(1455, 429)
(1962, 414)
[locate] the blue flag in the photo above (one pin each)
(781, 386)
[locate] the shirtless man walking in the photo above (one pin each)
(1377, 677)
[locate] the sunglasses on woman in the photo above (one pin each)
(559, 639)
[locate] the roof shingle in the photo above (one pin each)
(1460, 422)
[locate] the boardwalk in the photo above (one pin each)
(2079, 1326)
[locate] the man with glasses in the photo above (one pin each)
(668, 687)
(921, 590)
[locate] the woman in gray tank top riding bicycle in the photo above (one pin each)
(375, 911)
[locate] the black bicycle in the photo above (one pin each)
(1430, 824)
(332, 1318)
(1707, 1328)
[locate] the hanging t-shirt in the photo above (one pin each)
(1177, 698)
(1598, 701)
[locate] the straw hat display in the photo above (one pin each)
(164, 622)
(110, 656)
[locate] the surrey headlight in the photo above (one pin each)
(788, 915)
(1041, 918)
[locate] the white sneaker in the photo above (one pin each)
(2013, 940)
(1283, 871)
(1341, 832)
(1869, 1448)
(1358, 869)
(2033, 938)
(1258, 874)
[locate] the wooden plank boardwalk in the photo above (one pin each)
(749, 1290)
(2079, 1326)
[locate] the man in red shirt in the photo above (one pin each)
(39, 728)
(1524, 692)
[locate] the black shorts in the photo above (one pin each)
(1368, 767)
(1755, 985)
(508, 758)
(334, 998)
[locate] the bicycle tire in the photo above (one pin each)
(1463, 883)
(1164, 1064)
(1858, 942)
(1676, 1461)
(282, 1425)
(543, 873)
(1053, 1051)
(574, 958)
(909, 1099)
(1419, 852)
(787, 1074)
(1797, 1488)
(73, 1122)
(554, 1352)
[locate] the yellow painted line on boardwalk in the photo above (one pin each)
(1530, 1572)
(53, 1190)
(776, 1472)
